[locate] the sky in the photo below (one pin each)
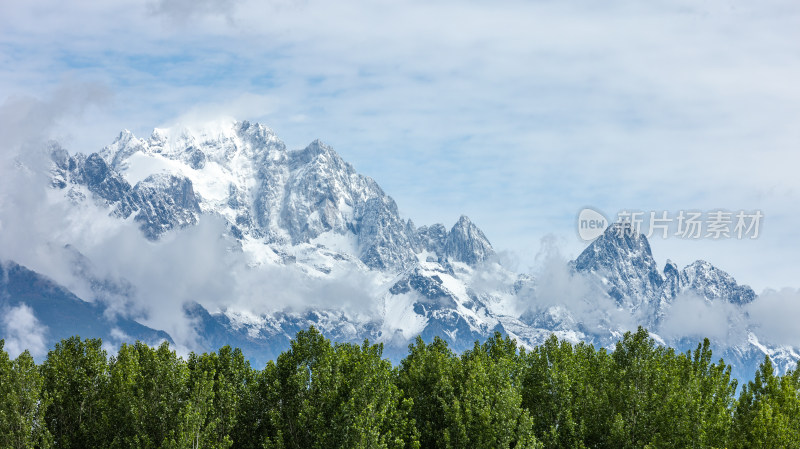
(518, 114)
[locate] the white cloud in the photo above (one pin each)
(22, 331)
(774, 316)
(184, 10)
(557, 286)
(516, 113)
(693, 316)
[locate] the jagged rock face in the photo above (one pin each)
(166, 202)
(242, 172)
(463, 243)
(285, 197)
(433, 238)
(466, 243)
(623, 260)
(324, 193)
(382, 235)
(94, 173)
(429, 287)
(161, 202)
(672, 280)
(458, 316)
(626, 267)
(712, 283)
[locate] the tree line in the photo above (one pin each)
(319, 394)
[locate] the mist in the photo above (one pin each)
(80, 246)
(693, 316)
(558, 288)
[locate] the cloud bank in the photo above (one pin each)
(564, 295)
(515, 113)
(82, 246)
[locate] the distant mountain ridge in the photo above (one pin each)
(308, 211)
(625, 263)
(245, 174)
(63, 313)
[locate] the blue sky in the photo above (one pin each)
(518, 114)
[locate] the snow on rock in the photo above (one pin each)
(310, 212)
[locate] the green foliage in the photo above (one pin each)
(22, 403)
(323, 395)
(642, 395)
(697, 409)
(334, 396)
(768, 412)
(471, 401)
(75, 377)
(258, 419)
(488, 412)
(216, 384)
(148, 400)
(427, 377)
(564, 387)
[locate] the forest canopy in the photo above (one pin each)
(319, 394)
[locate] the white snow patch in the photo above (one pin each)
(399, 315)
(258, 252)
(141, 165)
(343, 243)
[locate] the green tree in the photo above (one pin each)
(427, 379)
(768, 411)
(195, 427)
(22, 403)
(216, 385)
(258, 418)
(697, 412)
(488, 412)
(340, 396)
(471, 401)
(638, 385)
(147, 397)
(564, 388)
(232, 377)
(75, 376)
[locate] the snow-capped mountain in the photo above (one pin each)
(622, 261)
(303, 210)
(266, 192)
(308, 219)
(625, 264)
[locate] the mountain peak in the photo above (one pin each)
(463, 222)
(713, 283)
(619, 242)
(623, 259)
(319, 151)
(466, 242)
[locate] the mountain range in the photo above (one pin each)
(307, 218)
